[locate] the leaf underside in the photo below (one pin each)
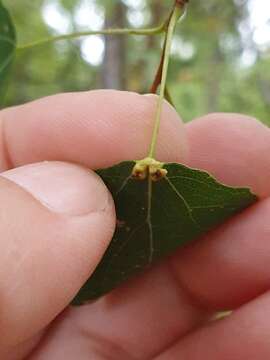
(7, 48)
(155, 218)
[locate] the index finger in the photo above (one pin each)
(234, 148)
(96, 129)
(228, 266)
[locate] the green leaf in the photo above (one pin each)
(7, 47)
(157, 217)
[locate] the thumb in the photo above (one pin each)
(56, 220)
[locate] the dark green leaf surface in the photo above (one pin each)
(155, 218)
(7, 47)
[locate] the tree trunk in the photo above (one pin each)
(114, 63)
(213, 79)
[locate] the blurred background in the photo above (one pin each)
(220, 57)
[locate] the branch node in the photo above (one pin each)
(181, 3)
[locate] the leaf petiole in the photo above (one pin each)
(143, 32)
(179, 10)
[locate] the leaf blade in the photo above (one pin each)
(7, 47)
(182, 206)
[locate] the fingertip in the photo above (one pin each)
(96, 128)
(234, 148)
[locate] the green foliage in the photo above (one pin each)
(211, 79)
(156, 217)
(7, 46)
(48, 69)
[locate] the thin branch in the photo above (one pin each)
(158, 75)
(157, 80)
(142, 32)
(177, 12)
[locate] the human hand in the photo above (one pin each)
(57, 219)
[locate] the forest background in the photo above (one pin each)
(220, 57)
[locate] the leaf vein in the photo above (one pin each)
(120, 249)
(217, 186)
(188, 207)
(6, 62)
(149, 220)
(123, 185)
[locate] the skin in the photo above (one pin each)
(58, 218)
